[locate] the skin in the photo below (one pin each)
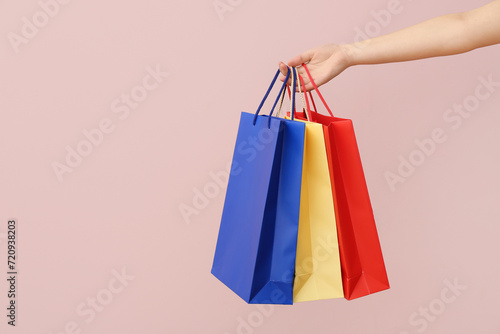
(441, 36)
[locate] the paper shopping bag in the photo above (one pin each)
(256, 246)
(363, 268)
(317, 268)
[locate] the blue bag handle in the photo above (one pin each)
(292, 97)
(277, 98)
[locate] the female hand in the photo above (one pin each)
(441, 36)
(324, 63)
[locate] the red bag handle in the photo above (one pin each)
(312, 100)
(308, 108)
(315, 110)
(317, 91)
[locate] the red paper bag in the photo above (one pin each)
(363, 268)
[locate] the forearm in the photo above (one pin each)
(441, 36)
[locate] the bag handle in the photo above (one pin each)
(305, 105)
(292, 97)
(312, 101)
(282, 97)
(267, 94)
(305, 102)
(304, 97)
(292, 105)
(317, 91)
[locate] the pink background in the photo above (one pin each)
(119, 208)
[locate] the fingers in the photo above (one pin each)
(307, 82)
(283, 69)
(296, 62)
(283, 72)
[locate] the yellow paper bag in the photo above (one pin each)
(317, 266)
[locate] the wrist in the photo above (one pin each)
(351, 53)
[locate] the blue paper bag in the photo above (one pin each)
(256, 247)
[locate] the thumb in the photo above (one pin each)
(284, 70)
